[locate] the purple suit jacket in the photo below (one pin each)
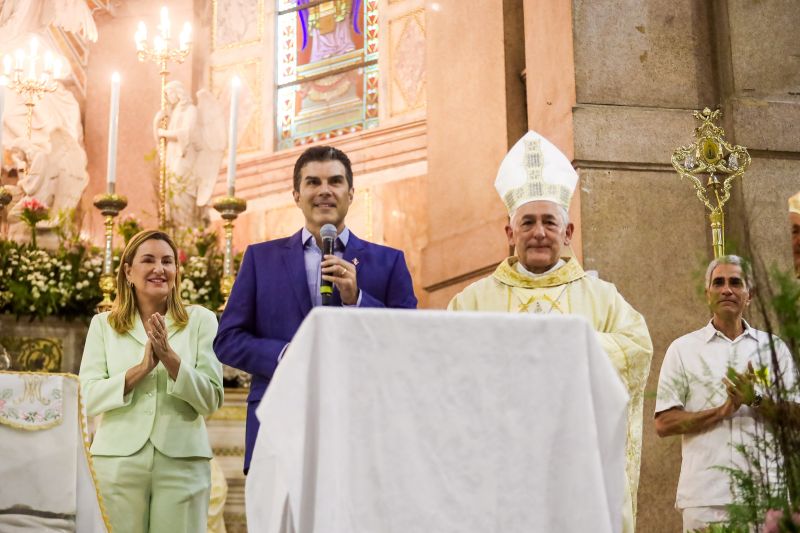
(270, 299)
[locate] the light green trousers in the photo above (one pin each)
(148, 492)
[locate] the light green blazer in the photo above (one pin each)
(168, 413)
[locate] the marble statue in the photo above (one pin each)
(18, 18)
(54, 175)
(196, 141)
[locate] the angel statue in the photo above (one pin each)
(196, 141)
(55, 176)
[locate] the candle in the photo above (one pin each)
(165, 23)
(7, 65)
(20, 59)
(186, 36)
(141, 35)
(235, 86)
(113, 127)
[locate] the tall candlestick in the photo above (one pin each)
(113, 128)
(234, 122)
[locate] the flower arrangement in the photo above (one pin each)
(33, 212)
(37, 283)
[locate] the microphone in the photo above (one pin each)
(328, 235)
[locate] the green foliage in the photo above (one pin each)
(36, 283)
(767, 491)
(128, 226)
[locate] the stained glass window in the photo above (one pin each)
(327, 69)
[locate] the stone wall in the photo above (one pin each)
(640, 68)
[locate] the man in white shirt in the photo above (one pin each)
(697, 401)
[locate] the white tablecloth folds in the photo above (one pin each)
(386, 421)
(45, 467)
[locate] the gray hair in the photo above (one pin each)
(561, 209)
(730, 260)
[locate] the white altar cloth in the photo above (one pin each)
(45, 466)
(397, 421)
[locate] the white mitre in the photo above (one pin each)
(794, 204)
(534, 169)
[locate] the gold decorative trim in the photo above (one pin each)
(25, 351)
(239, 44)
(230, 412)
(84, 437)
(535, 187)
(228, 451)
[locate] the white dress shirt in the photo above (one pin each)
(691, 378)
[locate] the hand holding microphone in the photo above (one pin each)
(336, 271)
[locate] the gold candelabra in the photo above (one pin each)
(716, 161)
(230, 208)
(161, 54)
(109, 204)
(5, 199)
(30, 81)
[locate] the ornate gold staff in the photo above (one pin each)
(161, 54)
(712, 158)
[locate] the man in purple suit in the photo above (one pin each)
(279, 280)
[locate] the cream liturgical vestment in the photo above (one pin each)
(620, 328)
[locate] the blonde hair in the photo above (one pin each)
(123, 311)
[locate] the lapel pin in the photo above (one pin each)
(355, 261)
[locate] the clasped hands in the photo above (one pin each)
(740, 388)
(342, 274)
(158, 348)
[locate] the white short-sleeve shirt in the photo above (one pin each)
(691, 378)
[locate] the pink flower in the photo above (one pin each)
(2, 404)
(772, 521)
(34, 205)
(182, 257)
(774, 518)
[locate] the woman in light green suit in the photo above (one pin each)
(148, 367)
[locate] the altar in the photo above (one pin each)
(477, 422)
